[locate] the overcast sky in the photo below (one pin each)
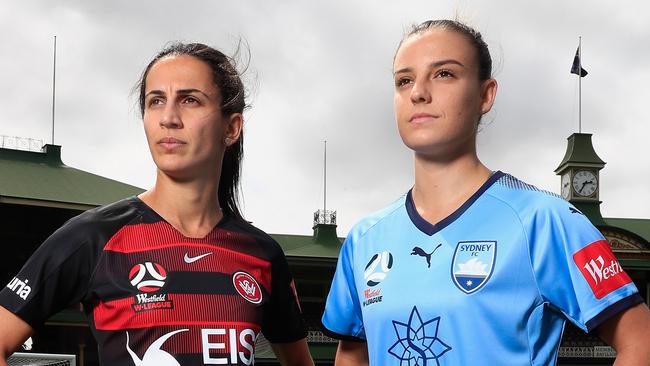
(321, 70)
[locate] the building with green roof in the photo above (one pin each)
(38, 193)
(579, 173)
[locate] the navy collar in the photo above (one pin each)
(430, 229)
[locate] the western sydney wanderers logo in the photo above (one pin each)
(247, 287)
(149, 277)
(600, 268)
(473, 264)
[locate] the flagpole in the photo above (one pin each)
(53, 89)
(324, 176)
(579, 84)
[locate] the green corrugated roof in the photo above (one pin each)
(640, 227)
(308, 246)
(42, 178)
(580, 150)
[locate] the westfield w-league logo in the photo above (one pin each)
(149, 277)
(600, 268)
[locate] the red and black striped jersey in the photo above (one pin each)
(152, 295)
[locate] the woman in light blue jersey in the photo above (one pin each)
(471, 266)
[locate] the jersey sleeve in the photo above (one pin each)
(575, 268)
(54, 277)
(282, 319)
(342, 318)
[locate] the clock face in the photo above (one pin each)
(566, 185)
(585, 183)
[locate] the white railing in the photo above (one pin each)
(41, 359)
(21, 143)
(325, 217)
(587, 352)
(314, 336)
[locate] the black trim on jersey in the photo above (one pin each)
(430, 229)
(342, 337)
(62, 268)
(208, 283)
(615, 308)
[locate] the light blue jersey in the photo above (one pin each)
(492, 284)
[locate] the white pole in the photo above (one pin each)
(324, 176)
(580, 84)
(53, 89)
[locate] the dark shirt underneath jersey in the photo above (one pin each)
(152, 295)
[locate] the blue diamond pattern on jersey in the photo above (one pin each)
(417, 341)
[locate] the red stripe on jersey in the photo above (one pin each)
(140, 237)
(203, 258)
(177, 309)
(600, 268)
(161, 243)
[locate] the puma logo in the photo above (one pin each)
(419, 251)
(573, 210)
(154, 356)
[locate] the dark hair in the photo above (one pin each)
(227, 79)
(476, 40)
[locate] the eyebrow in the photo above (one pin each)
(432, 65)
(180, 91)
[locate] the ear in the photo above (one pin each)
(488, 94)
(234, 128)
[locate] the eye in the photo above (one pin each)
(155, 101)
(444, 74)
(190, 100)
(400, 82)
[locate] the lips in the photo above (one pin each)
(170, 142)
(422, 117)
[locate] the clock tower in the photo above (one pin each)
(579, 176)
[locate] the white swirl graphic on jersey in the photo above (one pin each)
(154, 270)
(154, 356)
(374, 275)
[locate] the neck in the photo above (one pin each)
(441, 187)
(191, 206)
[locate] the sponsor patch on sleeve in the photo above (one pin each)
(600, 268)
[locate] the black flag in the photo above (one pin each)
(576, 65)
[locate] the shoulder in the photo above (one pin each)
(377, 219)
(538, 209)
(102, 221)
(525, 198)
(253, 241)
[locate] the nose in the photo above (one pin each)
(171, 117)
(420, 93)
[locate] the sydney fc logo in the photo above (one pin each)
(473, 264)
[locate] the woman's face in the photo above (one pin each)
(185, 129)
(438, 97)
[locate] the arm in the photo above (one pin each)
(351, 353)
(13, 332)
(293, 353)
(628, 333)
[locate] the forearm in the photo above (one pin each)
(293, 353)
(633, 356)
(628, 333)
(13, 332)
(351, 354)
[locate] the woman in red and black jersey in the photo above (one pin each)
(174, 276)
